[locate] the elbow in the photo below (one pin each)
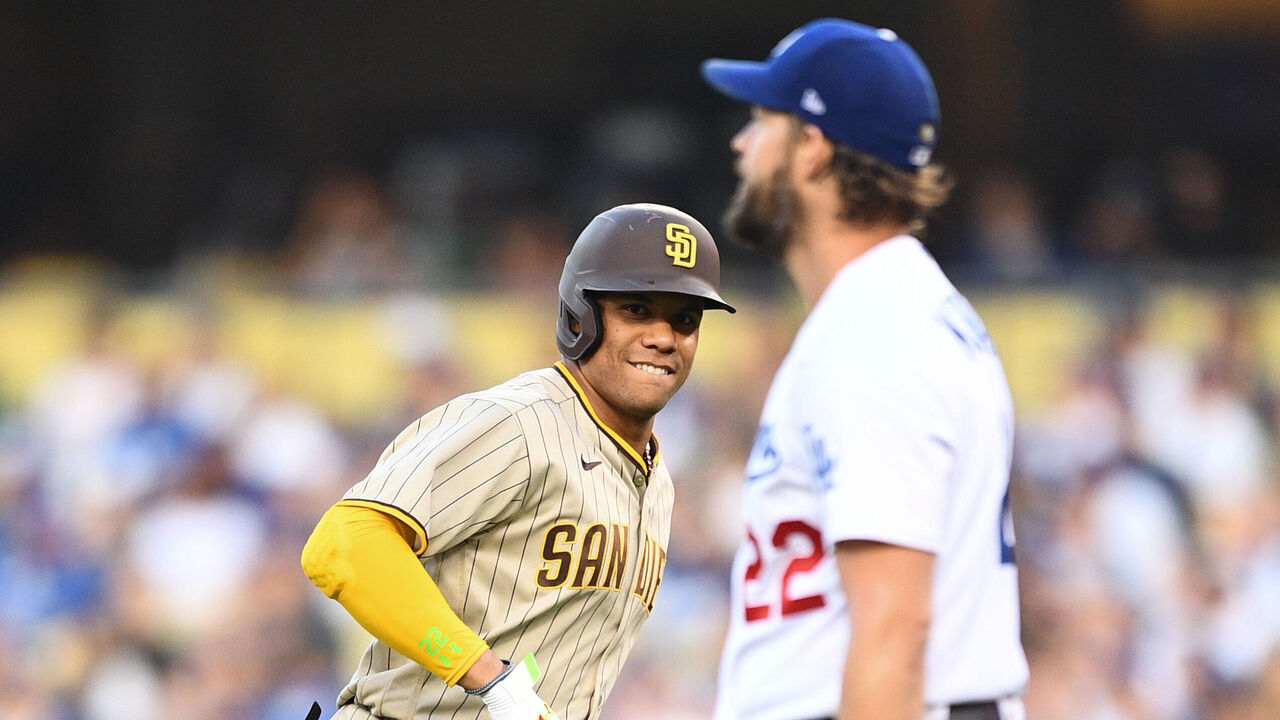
(322, 559)
(896, 631)
(916, 632)
(913, 626)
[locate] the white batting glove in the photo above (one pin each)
(510, 695)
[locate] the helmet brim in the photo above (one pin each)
(683, 285)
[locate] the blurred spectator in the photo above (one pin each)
(1197, 221)
(1156, 382)
(1085, 429)
(290, 457)
(347, 239)
(1007, 236)
(124, 685)
(22, 695)
(149, 452)
(1224, 446)
(455, 188)
(1142, 539)
(1242, 636)
(418, 328)
(528, 253)
(76, 413)
(1117, 221)
(285, 445)
(208, 392)
(423, 337)
(1199, 417)
(190, 552)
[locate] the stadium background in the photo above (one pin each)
(241, 245)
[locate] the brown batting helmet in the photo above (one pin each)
(634, 248)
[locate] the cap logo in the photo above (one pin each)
(928, 133)
(682, 246)
(919, 155)
(811, 102)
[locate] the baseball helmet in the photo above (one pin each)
(633, 248)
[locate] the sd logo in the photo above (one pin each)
(682, 246)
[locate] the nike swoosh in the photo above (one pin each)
(588, 465)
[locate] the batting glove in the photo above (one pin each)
(510, 695)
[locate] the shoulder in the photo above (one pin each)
(891, 294)
(529, 403)
(544, 386)
(500, 406)
(879, 328)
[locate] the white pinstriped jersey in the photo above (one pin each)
(889, 420)
(544, 533)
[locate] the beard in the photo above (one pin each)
(764, 216)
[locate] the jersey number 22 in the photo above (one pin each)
(785, 603)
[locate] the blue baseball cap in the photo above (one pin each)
(862, 86)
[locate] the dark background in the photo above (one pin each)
(137, 131)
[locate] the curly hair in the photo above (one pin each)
(873, 191)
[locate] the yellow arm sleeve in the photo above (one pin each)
(363, 558)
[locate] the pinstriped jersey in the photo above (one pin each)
(544, 531)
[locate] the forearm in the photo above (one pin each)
(360, 558)
(884, 674)
(888, 588)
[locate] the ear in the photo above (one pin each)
(813, 153)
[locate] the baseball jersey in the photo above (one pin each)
(545, 533)
(890, 419)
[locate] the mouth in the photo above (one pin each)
(653, 369)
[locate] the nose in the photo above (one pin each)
(739, 139)
(660, 336)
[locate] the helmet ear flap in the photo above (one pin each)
(581, 309)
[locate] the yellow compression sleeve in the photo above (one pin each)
(362, 558)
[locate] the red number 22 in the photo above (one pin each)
(788, 604)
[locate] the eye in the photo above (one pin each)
(689, 320)
(633, 308)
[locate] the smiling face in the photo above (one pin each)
(645, 354)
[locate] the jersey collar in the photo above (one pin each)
(615, 437)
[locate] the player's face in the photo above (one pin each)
(765, 208)
(644, 356)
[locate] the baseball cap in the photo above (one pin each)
(862, 86)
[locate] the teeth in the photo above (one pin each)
(652, 369)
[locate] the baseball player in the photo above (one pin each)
(511, 541)
(876, 575)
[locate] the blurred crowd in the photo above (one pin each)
(1149, 531)
(152, 509)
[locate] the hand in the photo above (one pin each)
(513, 697)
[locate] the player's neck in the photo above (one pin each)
(824, 245)
(636, 432)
